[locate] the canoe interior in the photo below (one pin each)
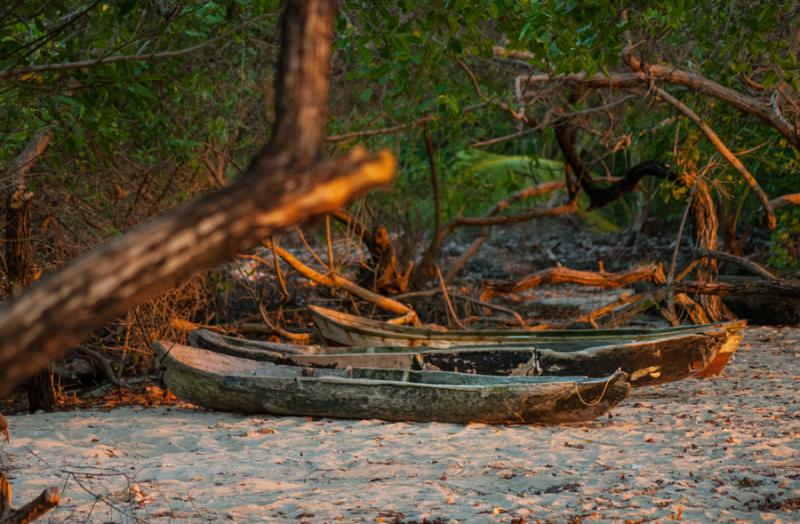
(648, 362)
(203, 338)
(228, 365)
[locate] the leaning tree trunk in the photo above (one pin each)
(706, 226)
(285, 184)
(19, 254)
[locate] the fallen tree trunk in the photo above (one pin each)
(285, 184)
(777, 289)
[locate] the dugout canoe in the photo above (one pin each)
(343, 329)
(227, 383)
(647, 362)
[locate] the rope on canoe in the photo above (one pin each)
(602, 394)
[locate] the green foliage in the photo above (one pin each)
(475, 162)
(137, 136)
(785, 253)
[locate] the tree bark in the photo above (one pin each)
(559, 275)
(285, 184)
(19, 254)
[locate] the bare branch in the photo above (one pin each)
(756, 268)
(671, 75)
(560, 275)
(142, 57)
(395, 129)
(336, 281)
(792, 199)
(723, 149)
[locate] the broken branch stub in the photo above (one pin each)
(47, 500)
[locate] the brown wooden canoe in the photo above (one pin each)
(648, 362)
(223, 382)
(344, 329)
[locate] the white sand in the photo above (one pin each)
(721, 450)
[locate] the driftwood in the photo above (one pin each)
(31, 511)
(562, 275)
(284, 185)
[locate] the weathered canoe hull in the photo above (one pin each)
(350, 330)
(735, 334)
(227, 383)
(647, 362)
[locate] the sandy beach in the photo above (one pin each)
(724, 450)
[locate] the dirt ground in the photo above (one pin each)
(723, 450)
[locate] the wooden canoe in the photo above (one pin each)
(647, 362)
(223, 382)
(350, 330)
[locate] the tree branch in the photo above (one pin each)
(670, 75)
(336, 281)
(724, 151)
(141, 57)
(61, 309)
(601, 196)
(560, 275)
(437, 213)
(792, 199)
(31, 511)
(364, 133)
(756, 268)
(499, 207)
